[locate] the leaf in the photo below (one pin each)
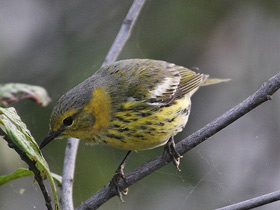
(57, 178)
(21, 138)
(13, 92)
(20, 172)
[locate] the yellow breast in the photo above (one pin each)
(133, 129)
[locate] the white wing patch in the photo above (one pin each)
(162, 88)
(165, 89)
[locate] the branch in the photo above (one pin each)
(260, 96)
(32, 167)
(68, 173)
(254, 202)
(72, 145)
(124, 32)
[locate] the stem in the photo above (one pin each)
(33, 168)
(254, 202)
(125, 32)
(68, 173)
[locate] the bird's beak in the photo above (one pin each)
(50, 136)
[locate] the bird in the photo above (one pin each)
(133, 104)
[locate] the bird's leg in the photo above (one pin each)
(119, 174)
(172, 152)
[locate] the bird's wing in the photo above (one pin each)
(158, 82)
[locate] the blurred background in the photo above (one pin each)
(57, 44)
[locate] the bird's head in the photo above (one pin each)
(80, 113)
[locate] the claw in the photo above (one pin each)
(115, 183)
(173, 153)
(119, 174)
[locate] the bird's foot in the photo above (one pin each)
(119, 174)
(172, 152)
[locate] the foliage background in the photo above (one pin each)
(57, 44)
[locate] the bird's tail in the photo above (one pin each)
(212, 81)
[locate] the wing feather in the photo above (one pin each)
(153, 82)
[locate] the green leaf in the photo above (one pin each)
(13, 92)
(20, 172)
(57, 178)
(21, 138)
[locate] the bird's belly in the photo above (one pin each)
(147, 129)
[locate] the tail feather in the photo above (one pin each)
(212, 81)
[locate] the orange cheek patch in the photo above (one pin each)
(100, 107)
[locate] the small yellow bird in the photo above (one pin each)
(134, 104)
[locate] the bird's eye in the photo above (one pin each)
(68, 121)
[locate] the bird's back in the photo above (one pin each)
(148, 80)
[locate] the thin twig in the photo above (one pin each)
(254, 202)
(72, 145)
(259, 97)
(124, 32)
(68, 174)
(32, 167)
